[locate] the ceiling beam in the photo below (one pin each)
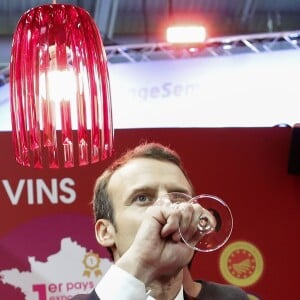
(105, 17)
(248, 11)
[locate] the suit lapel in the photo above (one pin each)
(93, 296)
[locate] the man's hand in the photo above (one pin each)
(157, 250)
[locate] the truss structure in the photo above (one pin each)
(219, 46)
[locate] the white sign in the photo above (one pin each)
(245, 90)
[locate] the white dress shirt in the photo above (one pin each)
(117, 284)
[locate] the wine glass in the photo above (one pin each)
(215, 222)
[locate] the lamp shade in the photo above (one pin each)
(60, 94)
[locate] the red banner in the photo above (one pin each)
(47, 245)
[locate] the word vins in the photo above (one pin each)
(37, 191)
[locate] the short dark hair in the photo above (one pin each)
(102, 205)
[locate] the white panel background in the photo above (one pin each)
(245, 90)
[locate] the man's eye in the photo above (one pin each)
(143, 199)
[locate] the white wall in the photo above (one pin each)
(239, 90)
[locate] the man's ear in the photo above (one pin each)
(104, 232)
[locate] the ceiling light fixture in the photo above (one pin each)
(186, 34)
(60, 93)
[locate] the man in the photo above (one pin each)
(143, 237)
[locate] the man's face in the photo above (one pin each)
(134, 187)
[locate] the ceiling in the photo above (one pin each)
(144, 21)
(131, 21)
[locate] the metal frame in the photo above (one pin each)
(219, 46)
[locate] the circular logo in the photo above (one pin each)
(91, 262)
(241, 263)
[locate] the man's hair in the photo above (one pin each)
(102, 205)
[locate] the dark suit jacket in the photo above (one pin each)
(93, 296)
(210, 290)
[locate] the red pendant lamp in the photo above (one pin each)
(60, 93)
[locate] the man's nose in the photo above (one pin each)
(163, 197)
(162, 192)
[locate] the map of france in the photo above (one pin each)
(70, 271)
